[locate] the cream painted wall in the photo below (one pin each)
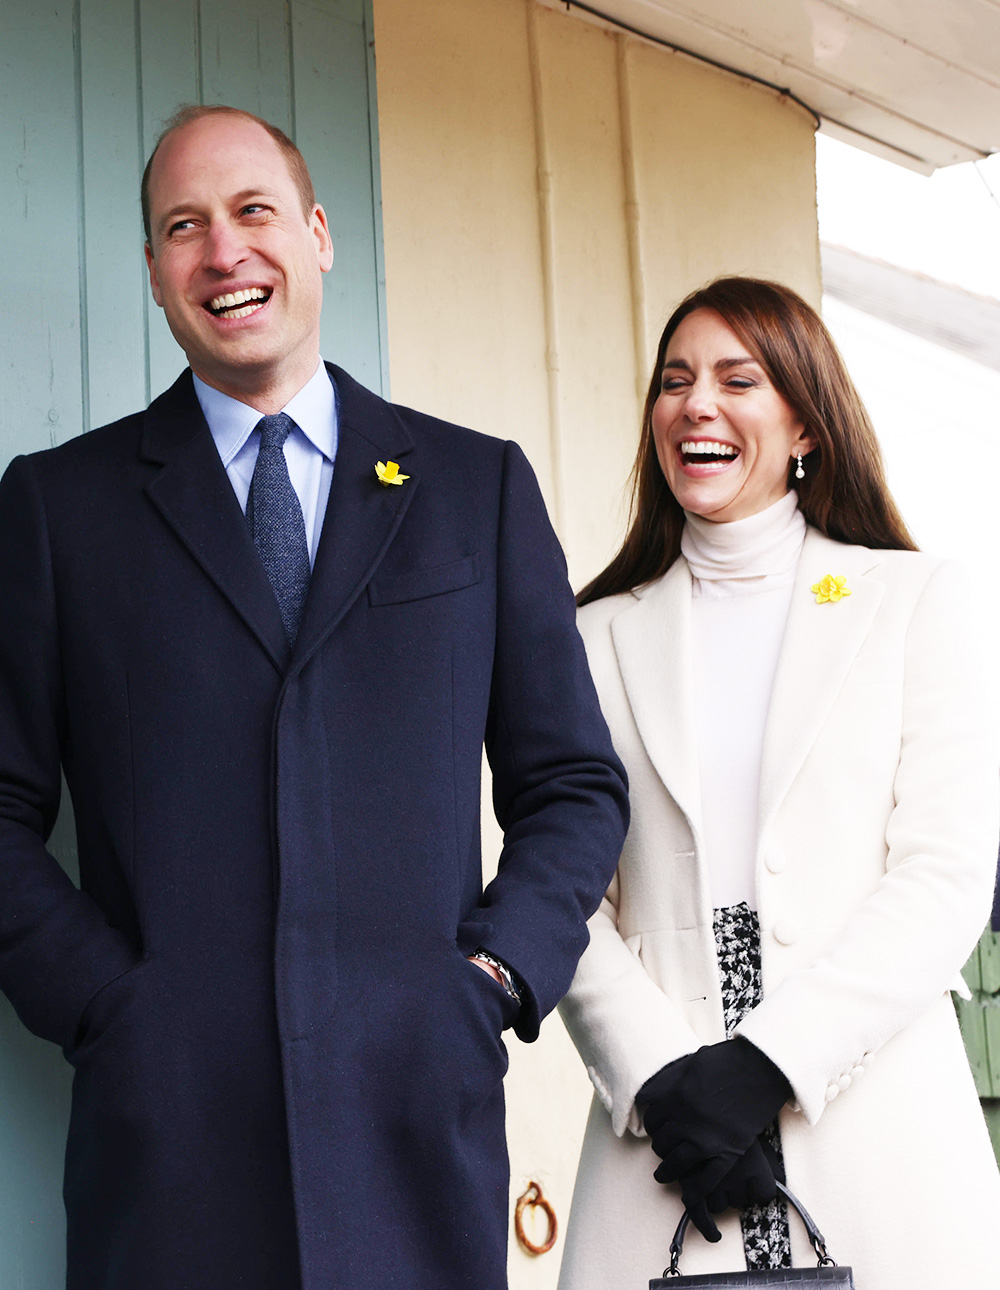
(550, 190)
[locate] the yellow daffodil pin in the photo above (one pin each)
(388, 472)
(830, 588)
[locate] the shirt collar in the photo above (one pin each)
(313, 409)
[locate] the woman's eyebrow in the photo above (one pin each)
(722, 365)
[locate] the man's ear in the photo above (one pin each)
(320, 230)
(154, 281)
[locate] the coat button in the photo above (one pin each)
(775, 860)
(867, 1059)
(857, 1072)
(832, 1092)
(844, 1082)
(784, 932)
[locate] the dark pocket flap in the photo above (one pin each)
(418, 584)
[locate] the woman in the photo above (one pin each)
(803, 714)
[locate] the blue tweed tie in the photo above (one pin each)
(275, 517)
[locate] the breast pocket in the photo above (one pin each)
(420, 584)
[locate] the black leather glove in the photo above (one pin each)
(705, 1111)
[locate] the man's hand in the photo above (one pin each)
(487, 967)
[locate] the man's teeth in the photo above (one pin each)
(702, 447)
(232, 299)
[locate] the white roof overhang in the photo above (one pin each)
(913, 80)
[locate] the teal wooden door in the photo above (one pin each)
(84, 88)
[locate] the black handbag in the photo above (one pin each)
(826, 1272)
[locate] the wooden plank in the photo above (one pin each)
(43, 394)
(40, 339)
(989, 998)
(244, 58)
(115, 286)
(972, 1023)
(380, 294)
(972, 972)
(989, 959)
(333, 130)
(169, 77)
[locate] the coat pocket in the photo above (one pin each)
(103, 1010)
(418, 584)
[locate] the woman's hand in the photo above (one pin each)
(704, 1114)
(752, 1180)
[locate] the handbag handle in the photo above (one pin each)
(815, 1235)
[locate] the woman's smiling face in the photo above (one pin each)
(724, 435)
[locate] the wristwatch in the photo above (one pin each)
(506, 975)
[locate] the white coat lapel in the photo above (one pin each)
(652, 640)
(821, 642)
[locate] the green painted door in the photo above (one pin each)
(84, 88)
(979, 1018)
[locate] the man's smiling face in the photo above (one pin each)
(234, 260)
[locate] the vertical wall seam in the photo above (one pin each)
(140, 116)
(637, 291)
(199, 43)
(82, 221)
(290, 54)
(546, 231)
(378, 229)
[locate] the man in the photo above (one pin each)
(265, 628)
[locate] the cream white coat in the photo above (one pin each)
(876, 857)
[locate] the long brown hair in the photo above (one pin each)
(844, 493)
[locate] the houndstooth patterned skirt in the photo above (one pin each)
(737, 943)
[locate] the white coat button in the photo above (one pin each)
(832, 1092)
(867, 1059)
(784, 932)
(775, 860)
(844, 1082)
(857, 1072)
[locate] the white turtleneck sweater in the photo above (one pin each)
(743, 573)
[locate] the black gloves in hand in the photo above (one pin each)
(704, 1113)
(751, 1181)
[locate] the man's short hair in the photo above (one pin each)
(294, 159)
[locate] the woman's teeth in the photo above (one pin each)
(705, 452)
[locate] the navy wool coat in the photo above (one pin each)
(287, 1075)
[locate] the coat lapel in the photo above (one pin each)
(819, 646)
(652, 640)
(193, 494)
(362, 515)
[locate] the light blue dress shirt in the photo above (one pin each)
(310, 450)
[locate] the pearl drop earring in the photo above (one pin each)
(800, 470)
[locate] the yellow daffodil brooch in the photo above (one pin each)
(830, 588)
(388, 472)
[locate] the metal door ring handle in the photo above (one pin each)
(534, 1198)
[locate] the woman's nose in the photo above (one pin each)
(700, 403)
